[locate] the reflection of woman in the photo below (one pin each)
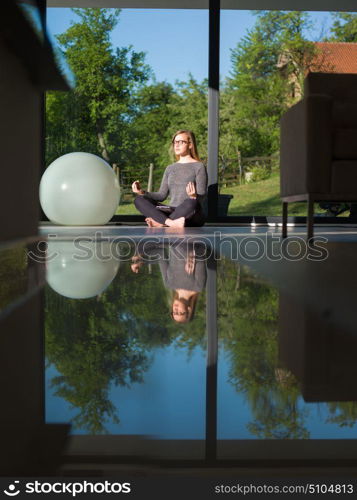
(184, 181)
(183, 272)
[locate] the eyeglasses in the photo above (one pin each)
(179, 143)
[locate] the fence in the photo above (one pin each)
(126, 177)
(233, 172)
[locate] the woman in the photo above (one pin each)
(184, 181)
(183, 270)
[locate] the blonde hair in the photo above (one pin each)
(192, 140)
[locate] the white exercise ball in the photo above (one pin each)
(80, 270)
(79, 189)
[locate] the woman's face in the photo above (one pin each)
(182, 145)
(180, 311)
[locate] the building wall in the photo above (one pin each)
(20, 149)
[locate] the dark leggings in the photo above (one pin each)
(190, 209)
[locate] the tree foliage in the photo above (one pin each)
(258, 90)
(96, 115)
(344, 28)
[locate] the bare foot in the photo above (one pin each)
(175, 222)
(152, 223)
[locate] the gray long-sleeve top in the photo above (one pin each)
(175, 179)
(175, 276)
(172, 261)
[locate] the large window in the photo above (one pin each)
(140, 76)
(265, 56)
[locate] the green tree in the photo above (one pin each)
(96, 115)
(188, 110)
(162, 110)
(257, 93)
(344, 28)
(150, 131)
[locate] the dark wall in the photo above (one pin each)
(27, 68)
(20, 149)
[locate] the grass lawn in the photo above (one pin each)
(262, 198)
(255, 198)
(127, 207)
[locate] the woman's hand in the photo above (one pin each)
(136, 263)
(191, 190)
(190, 263)
(136, 188)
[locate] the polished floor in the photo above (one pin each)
(219, 346)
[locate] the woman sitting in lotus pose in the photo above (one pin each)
(184, 182)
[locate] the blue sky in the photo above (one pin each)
(176, 41)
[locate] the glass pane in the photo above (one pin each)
(141, 75)
(265, 57)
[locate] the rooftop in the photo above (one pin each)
(337, 57)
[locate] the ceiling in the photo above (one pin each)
(312, 5)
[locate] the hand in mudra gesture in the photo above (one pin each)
(136, 188)
(191, 190)
(190, 263)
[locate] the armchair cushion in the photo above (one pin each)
(344, 114)
(339, 86)
(306, 146)
(344, 144)
(344, 178)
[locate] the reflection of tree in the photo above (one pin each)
(277, 415)
(108, 340)
(95, 343)
(98, 342)
(343, 414)
(91, 347)
(248, 325)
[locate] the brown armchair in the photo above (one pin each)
(318, 151)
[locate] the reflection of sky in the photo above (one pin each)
(169, 404)
(234, 412)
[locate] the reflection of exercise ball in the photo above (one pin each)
(79, 189)
(80, 273)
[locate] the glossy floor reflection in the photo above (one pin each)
(125, 359)
(178, 351)
(130, 352)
